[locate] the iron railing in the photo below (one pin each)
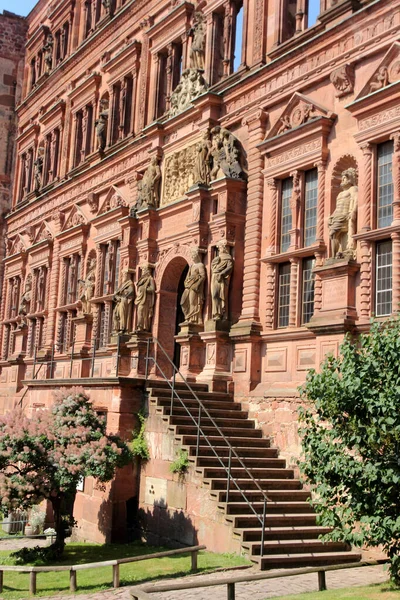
(201, 413)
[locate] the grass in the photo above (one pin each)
(16, 585)
(382, 591)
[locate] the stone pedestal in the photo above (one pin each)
(192, 351)
(19, 345)
(83, 331)
(218, 349)
(137, 346)
(338, 301)
(245, 336)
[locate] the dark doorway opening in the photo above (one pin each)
(180, 317)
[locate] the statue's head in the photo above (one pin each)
(349, 177)
(28, 283)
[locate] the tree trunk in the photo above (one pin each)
(58, 524)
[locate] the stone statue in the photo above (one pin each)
(342, 223)
(198, 35)
(48, 53)
(24, 307)
(380, 80)
(225, 155)
(87, 287)
(202, 167)
(38, 168)
(101, 124)
(145, 295)
(123, 298)
(221, 269)
(191, 85)
(149, 186)
(193, 296)
(40, 288)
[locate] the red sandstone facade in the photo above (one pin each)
(100, 101)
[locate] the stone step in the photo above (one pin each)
(223, 451)
(185, 394)
(274, 507)
(256, 496)
(219, 483)
(193, 405)
(161, 384)
(228, 432)
(247, 521)
(241, 473)
(236, 441)
(293, 532)
(250, 463)
(294, 546)
(216, 414)
(282, 561)
(222, 423)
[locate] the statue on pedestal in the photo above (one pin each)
(342, 223)
(123, 298)
(221, 270)
(149, 186)
(101, 124)
(192, 300)
(145, 293)
(202, 166)
(38, 168)
(24, 307)
(48, 53)
(198, 35)
(87, 287)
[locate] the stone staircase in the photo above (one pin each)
(291, 533)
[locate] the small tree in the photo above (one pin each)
(351, 440)
(45, 456)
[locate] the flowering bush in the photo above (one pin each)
(45, 456)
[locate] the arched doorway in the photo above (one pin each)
(170, 314)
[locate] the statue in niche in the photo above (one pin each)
(86, 291)
(198, 35)
(101, 124)
(38, 168)
(221, 270)
(202, 166)
(106, 4)
(225, 155)
(123, 298)
(24, 307)
(192, 300)
(380, 80)
(149, 186)
(40, 289)
(342, 223)
(48, 53)
(145, 295)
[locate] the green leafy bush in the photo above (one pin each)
(181, 464)
(351, 440)
(139, 445)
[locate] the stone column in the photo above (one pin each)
(295, 208)
(227, 38)
(170, 66)
(132, 124)
(53, 294)
(319, 259)
(321, 167)
(294, 273)
(4, 313)
(111, 116)
(366, 189)
(272, 191)
(395, 272)
(270, 291)
(365, 280)
(184, 40)
(396, 178)
(144, 67)
(154, 90)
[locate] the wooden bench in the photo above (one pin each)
(115, 563)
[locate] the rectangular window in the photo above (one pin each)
(383, 302)
(286, 213)
(310, 206)
(384, 185)
(284, 295)
(307, 303)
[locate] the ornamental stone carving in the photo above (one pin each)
(343, 80)
(149, 186)
(178, 174)
(221, 270)
(198, 35)
(302, 113)
(380, 80)
(191, 85)
(192, 300)
(48, 53)
(145, 295)
(225, 155)
(343, 221)
(87, 286)
(122, 312)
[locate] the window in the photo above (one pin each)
(238, 36)
(384, 184)
(307, 297)
(284, 295)
(310, 206)
(313, 10)
(286, 213)
(383, 301)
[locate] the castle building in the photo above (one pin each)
(212, 186)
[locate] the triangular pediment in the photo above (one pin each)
(299, 110)
(73, 218)
(113, 199)
(387, 72)
(17, 245)
(43, 233)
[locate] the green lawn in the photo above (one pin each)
(16, 585)
(382, 591)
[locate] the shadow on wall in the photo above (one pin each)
(165, 527)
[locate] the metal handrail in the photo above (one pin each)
(200, 431)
